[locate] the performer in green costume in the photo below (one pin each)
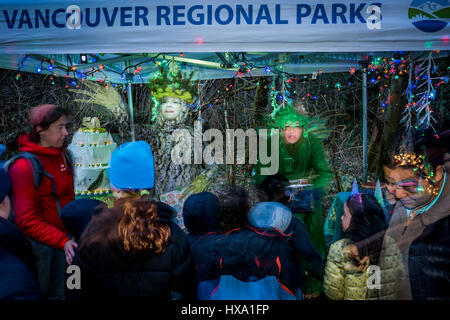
(302, 156)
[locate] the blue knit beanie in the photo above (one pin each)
(270, 215)
(132, 166)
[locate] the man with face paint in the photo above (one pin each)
(416, 174)
(302, 156)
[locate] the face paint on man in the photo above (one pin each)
(407, 187)
(171, 108)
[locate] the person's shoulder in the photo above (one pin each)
(388, 241)
(20, 165)
(314, 141)
(177, 235)
(340, 244)
(7, 227)
(336, 251)
(175, 228)
(438, 231)
(311, 136)
(295, 222)
(237, 238)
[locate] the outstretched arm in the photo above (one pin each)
(107, 97)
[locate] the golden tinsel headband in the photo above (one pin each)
(419, 163)
(411, 159)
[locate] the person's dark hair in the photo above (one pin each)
(46, 120)
(234, 203)
(421, 142)
(367, 220)
(274, 188)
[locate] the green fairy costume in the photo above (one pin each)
(304, 159)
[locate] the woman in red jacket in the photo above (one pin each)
(36, 212)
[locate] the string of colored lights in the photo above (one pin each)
(380, 69)
(419, 104)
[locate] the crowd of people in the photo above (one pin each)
(233, 248)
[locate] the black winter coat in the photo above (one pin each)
(17, 277)
(107, 270)
(205, 254)
(297, 250)
(256, 253)
(429, 262)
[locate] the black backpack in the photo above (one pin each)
(37, 171)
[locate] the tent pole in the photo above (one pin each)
(364, 97)
(130, 100)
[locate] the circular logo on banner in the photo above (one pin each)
(429, 16)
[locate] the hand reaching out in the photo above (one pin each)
(69, 250)
(351, 251)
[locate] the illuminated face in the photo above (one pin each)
(171, 108)
(346, 217)
(407, 187)
(292, 134)
(55, 135)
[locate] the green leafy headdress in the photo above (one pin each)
(169, 84)
(289, 117)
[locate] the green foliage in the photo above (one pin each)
(175, 81)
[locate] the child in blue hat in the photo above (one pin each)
(134, 247)
(131, 169)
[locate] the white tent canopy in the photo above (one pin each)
(115, 67)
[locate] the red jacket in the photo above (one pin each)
(35, 209)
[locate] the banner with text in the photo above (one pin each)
(50, 26)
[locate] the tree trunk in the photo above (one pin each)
(261, 100)
(393, 115)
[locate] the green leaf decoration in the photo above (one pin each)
(165, 79)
